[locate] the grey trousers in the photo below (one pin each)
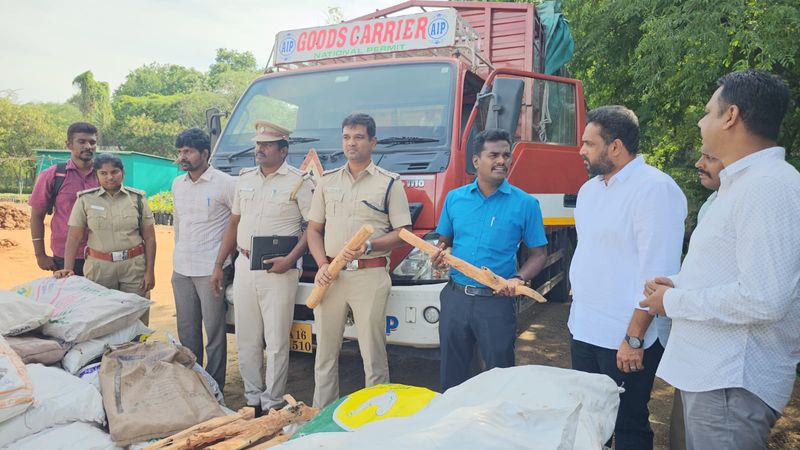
(732, 418)
(195, 306)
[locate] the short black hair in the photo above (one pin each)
(194, 138)
(361, 119)
(107, 158)
(490, 135)
(762, 99)
(616, 122)
(80, 127)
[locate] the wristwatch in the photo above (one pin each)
(368, 250)
(633, 341)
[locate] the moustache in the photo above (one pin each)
(703, 172)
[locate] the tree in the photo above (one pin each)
(164, 79)
(662, 58)
(92, 99)
(22, 129)
(230, 60)
(145, 135)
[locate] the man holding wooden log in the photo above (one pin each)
(346, 198)
(629, 218)
(483, 223)
(264, 207)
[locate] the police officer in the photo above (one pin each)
(265, 204)
(346, 198)
(121, 247)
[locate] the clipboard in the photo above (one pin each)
(266, 247)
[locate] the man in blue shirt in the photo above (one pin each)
(484, 223)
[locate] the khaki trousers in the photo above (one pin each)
(263, 311)
(365, 291)
(124, 276)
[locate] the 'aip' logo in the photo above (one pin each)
(288, 45)
(438, 28)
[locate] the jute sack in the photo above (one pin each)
(150, 391)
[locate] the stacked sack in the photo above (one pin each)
(57, 327)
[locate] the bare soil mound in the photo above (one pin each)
(14, 217)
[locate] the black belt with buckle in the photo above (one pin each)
(473, 291)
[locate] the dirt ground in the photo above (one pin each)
(544, 340)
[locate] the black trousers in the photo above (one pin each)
(489, 322)
(632, 430)
(59, 262)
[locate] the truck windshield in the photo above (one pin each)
(412, 105)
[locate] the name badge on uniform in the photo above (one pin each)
(247, 189)
(97, 207)
(333, 189)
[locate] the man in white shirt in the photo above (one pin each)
(629, 220)
(735, 339)
(202, 205)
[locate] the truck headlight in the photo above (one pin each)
(417, 266)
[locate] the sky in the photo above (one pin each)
(44, 44)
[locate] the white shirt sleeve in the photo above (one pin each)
(658, 226)
(767, 249)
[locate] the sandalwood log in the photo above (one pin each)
(338, 263)
(266, 426)
(178, 441)
(482, 275)
(279, 438)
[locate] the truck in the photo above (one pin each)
(432, 80)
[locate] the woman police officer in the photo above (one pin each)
(121, 246)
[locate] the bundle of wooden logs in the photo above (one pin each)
(240, 431)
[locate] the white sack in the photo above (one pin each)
(16, 388)
(77, 435)
(21, 315)
(515, 408)
(60, 398)
(83, 353)
(83, 310)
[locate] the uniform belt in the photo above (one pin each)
(364, 263)
(121, 255)
(244, 252)
(473, 291)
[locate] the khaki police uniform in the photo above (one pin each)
(264, 302)
(112, 222)
(344, 204)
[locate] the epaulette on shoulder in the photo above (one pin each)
(387, 173)
(86, 191)
(136, 191)
(295, 170)
(330, 171)
(247, 170)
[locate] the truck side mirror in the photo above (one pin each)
(214, 124)
(504, 104)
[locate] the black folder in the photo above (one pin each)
(267, 247)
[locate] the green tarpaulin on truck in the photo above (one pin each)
(559, 45)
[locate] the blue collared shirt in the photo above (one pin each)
(486, 232)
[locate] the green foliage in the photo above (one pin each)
(161, 203)
(142, 134)
(22, 129)
(163, 79)
(92, 100)
(662, 58)
(230, 60)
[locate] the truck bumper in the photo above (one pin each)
(406, 324)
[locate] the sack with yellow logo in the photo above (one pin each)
(368, 405)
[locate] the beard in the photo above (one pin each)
(602, 166)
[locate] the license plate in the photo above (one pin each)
(300, 337)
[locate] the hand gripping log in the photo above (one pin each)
(338, 263)
(483, 275)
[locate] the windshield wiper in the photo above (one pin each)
(240, 153)
(301, 140)
(405, 140)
